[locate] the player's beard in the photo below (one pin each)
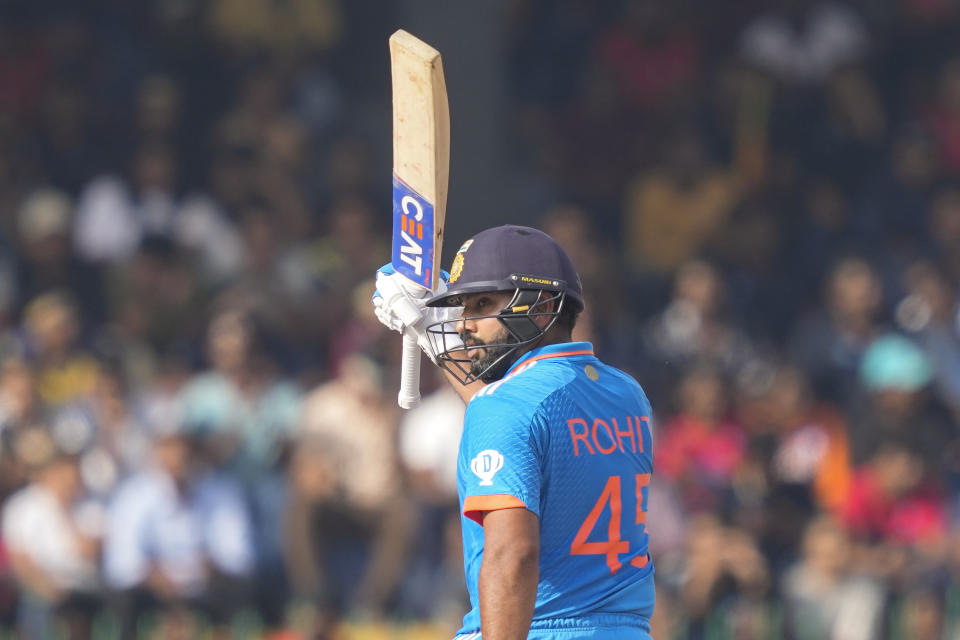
(486, 367)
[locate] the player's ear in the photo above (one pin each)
(546, 306)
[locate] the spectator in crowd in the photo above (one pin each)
(924, 615)
(896, 512)
(241, 407)
(115, 213)
(254, 27)
(812, 447)
(801, 42)
(694, 326)
(360, 334)
(350, 243)
(151, 297)
(929, 313)
(20, 402)
(823, 596)
(208, 233)
(895, 376)
(105, 432)
(159, 400)
(890, 217)
(850, 144)
(428, 442)
(830, 340)
(724, 567)
(943, 227)
(69, 137)
(944, 116)
(52, 561)
(654, 54)
(746, 250)
(8, 280)
(20, 409)
(823, 225)
(244, 412)
(178, 539)
(797, 464)
(354, 533)
(700, 448)
(312, 481)
(271, 280)
(46, 261)
(65, 370)
(575, 229)
(819, 109)
(283, 176)
(158, 108)
(672, 210)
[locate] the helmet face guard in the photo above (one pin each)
(517, 317)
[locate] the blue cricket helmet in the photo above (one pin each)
(523, 260)
(511, 257)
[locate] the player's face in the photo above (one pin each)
(480, 327)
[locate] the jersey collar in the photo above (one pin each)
(560, 350)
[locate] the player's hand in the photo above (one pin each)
(399, 304)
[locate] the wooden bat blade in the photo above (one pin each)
(421, 157)
(421, 167)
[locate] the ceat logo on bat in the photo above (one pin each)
(412, 234)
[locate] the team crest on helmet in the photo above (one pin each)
(457, 267)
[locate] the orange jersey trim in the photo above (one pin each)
(474, 506)
(544, 356)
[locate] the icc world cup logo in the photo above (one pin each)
(486, 465)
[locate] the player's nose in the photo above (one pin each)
(467, 325)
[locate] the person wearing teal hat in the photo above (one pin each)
(894, 362)
(895, 375)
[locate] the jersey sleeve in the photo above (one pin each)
(499, 463)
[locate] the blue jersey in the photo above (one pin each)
(568, 438)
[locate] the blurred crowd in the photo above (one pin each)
(764, 201)
(198, 422)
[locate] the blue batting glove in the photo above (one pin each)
(386, 270)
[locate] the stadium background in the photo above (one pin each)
(198, 430)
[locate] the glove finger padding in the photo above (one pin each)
(398, 304)
(385, 316)
(404, 300)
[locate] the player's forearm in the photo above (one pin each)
(508, 589)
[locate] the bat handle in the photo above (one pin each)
(409, 396)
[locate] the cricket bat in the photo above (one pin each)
(421, 168)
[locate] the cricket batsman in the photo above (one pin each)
(555, 458)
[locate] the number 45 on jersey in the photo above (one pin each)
(614, 545)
